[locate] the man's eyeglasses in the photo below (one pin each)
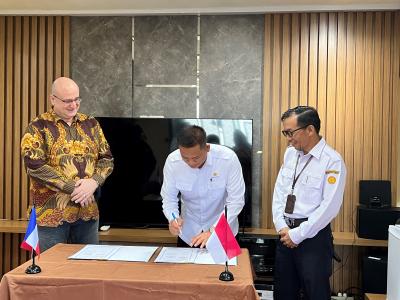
(77, 100)
(290, 133)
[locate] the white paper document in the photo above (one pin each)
(188, 256)
(115, 252)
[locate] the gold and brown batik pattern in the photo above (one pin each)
(56, 155)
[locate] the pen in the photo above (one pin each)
(175, 219)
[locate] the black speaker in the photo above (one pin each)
(262, 255)
(374, 274)
(373, 223)
(375, 193)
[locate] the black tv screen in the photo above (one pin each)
(130, 197)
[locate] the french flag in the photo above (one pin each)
(222, 244)
(31, 239)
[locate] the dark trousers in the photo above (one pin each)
(79, 232)
(181, 243)
(306, 267)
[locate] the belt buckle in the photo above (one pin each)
(290, 222)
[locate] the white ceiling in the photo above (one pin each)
(150, 7)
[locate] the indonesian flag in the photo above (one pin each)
(222, 244)
(31, 239)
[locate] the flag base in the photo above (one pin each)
(33, 269)
(226, 276)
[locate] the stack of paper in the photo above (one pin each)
(189, 256)
(115, 252)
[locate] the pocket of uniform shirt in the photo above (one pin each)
(287, 173)
(311, 181)
(287, 177)
(216, 183)
(184, 186)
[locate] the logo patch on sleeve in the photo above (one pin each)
(331, 179)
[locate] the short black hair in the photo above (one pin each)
(191, 136)
(213, 139)
(306, 115)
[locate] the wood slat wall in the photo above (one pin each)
(346, 65)
(33, 52)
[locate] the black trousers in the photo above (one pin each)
(181, 243)
(306, 267)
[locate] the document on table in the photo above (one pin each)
(188, 256)
(115, 252)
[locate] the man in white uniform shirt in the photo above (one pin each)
(307, 196)
(207, 177)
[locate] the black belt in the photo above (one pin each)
(293, 223)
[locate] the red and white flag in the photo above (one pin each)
(222, 244)
(31, 239)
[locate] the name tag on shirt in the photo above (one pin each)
(290, 202)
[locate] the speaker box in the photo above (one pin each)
(262, 254)
(375, 193)
(373, 223)
(374, 274)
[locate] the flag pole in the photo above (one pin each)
(33, 268)
(226, 275)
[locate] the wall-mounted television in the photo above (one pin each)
(130, 197)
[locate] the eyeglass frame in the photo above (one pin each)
(290, 133)
(77, 100)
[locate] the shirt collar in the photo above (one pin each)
(78, 117)
(316, 151)
(209, 158)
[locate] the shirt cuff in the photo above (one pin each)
(280, 225)
(295, 235)
(171, 218)
(69, 187)
(100, 180)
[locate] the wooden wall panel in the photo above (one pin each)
(2, 111)
(350, 76)
(347, 65)
(33, 52)
(295, 60)
(267, 99)
(304, 55)
(395, 98)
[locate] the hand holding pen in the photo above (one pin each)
(175, 226)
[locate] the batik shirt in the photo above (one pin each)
(56, 155)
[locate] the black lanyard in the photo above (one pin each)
(295, 169)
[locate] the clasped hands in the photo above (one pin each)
(175, 227)
(285, 238)
(83, 192)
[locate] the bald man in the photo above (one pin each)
(66, 157)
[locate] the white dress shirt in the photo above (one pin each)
(204, 191)
(319, 190)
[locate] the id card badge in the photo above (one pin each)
(290, 201)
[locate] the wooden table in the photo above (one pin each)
(375, 297)
(64, 279)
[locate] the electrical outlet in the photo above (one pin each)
(342, 298)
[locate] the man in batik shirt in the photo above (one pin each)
(66, 157)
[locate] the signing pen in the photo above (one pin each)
(176, 220)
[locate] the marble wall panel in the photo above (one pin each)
(231, 68)
(166, 102)
(165, 50)
(101, 64)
